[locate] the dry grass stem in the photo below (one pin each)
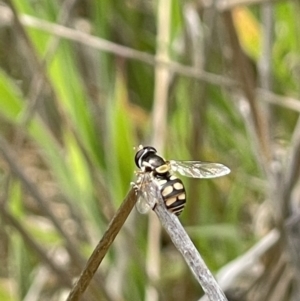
(122, 51)
(102, 248)
(189, 252)
(245, 75)
(10, 157)
(56, 268)
(223, 5)
(159, 130)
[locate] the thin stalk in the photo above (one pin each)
(102, 248)
(245, 75)
(119, 50)
(189, 252)
(162, 75)
(159, 126)
(10, 157)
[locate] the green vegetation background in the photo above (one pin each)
(73, 104)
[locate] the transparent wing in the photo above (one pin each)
(198, 169)
(148, 193)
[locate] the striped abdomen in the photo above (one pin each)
(173, 193)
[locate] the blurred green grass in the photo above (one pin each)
(77, 147)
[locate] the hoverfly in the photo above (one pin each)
(156, 176)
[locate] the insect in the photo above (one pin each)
(156, 176)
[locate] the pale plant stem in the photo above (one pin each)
(162, 75)
(189, 252)
(119, 50)
(159, 126)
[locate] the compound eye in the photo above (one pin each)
(150, 149)
(138, 156)
(141, 154)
